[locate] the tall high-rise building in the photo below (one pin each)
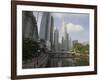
(70, 43)
(38, 16)
(51, 31)
(75, 42)
(45, 26)
(29, 25)
(63, 43)
(65, 38)
(56, 40)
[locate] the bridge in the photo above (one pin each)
(61, 54)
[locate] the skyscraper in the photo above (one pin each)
(51, 31)
(45, 26)
(38, 16)
(45, 29)
(65, 38)
(29, 25)
(63, 43)
(56, 40)
(75, 42)
(70, 43)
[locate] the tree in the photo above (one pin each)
(81, 48)
(30, 49)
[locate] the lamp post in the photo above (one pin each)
(38, 51)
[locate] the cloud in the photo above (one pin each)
(74, 27)
(70, 27)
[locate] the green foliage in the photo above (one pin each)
(81, 48)
(30, 49)
(82, 62)
(67, 63)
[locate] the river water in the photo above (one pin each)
(68, 62)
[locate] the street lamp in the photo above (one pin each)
(38, 51)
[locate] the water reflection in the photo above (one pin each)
(80, 61)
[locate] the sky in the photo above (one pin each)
(77, 24)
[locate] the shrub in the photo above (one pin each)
(30, 48)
